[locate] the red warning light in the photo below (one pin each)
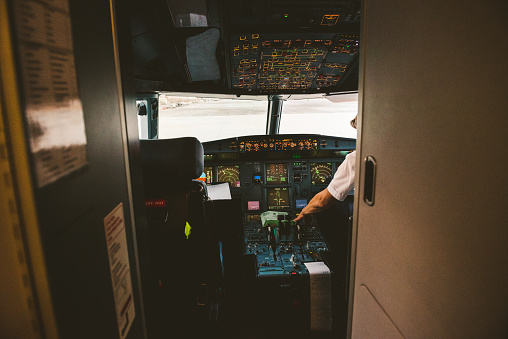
(155, 203)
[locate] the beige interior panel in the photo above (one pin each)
(433, 248)
(372, 321)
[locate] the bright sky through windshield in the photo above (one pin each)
(318, 116)
(213, 119)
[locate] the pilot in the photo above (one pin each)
(342, 183)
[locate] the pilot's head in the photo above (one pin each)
(353, 123)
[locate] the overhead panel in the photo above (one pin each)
(292, 46)
(267, 63)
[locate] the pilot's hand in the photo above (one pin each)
(300, 217)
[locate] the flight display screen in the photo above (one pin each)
(321, 173)
(253, 205)
(276, 174)
(301, 203)
(277, 198)
(230, 174)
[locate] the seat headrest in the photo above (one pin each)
(179, 158)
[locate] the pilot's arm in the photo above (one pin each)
(320, 202)
(338, 189)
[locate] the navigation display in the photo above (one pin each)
(321, 173)
(276, 174)
(229, 174)
(277, 198)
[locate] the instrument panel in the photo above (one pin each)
(273, 144)
(249, 145)
(283, 180)
(281, 186)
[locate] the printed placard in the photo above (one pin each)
(114, 226)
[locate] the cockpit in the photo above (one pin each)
(268, 89)
(191, 169)
(170, 169)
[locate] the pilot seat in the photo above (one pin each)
(185, 255)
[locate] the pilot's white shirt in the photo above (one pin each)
(344, 179)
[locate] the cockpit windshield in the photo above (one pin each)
(211, 118)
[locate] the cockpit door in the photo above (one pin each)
(430, 251)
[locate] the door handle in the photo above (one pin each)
(370, 180)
